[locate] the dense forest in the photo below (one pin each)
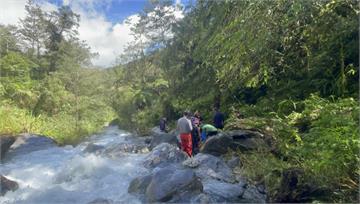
(286, 68)
(47, 83)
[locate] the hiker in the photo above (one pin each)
(207, 131)
(184, 127)
(163, 124)
(195, 134)
(218, 119)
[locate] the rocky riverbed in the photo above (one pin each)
(115, 166)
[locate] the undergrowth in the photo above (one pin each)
(62, 127)
(318, 135)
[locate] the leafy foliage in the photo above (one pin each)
(47, 87)
(286, 68)
(319, 135)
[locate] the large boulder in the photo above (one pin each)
(208, 166)
(243, 140)
(26, 143)
(163, 138)
(252, 195)
(7, 185)
(246, 140)
(139, 184)
(5, 144)
(167, 185)
(224, 192)
(164, 154)
(217, 145)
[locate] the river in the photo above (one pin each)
(53, 174)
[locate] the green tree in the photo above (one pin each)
(32, 28)
(8, 40)
(60, 23)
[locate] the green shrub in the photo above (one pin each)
(321, 137)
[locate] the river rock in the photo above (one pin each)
(243, 140)
(126, 148)
(5, 143)
(93, 148)
(139, 185)
(233, 162)
(208, 166)
(246, 140)
(203, 198)
(7, 185)
(26, 143)
(217, 145)
(163, 138)
(100, 201)
(156, 131)
(164, 154)
(224, 192)
(252, 195)
(168, 185)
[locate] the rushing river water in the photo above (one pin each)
(67, 175)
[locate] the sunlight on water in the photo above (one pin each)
(66, 175)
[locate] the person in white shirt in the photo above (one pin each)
(184, 127)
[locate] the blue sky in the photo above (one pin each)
(102, 23)
(115, 10)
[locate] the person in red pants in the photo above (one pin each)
(184, 127)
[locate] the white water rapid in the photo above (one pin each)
(67, 175)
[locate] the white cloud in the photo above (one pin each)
(11, 11)
(103, 36)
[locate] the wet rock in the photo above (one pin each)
(100, 201)
(7, 185)
(224, 192)
(5, 143)
(163, 138)
(261, 188)
(208, 166)
(217, 145)
(164, 154)
(148, 140)
(156, 131)
(168, 185)
(139, 185)
(233, 162)
(252, 195)
(203, 198)
(93, 148)
(26, 143)
(127, 148)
